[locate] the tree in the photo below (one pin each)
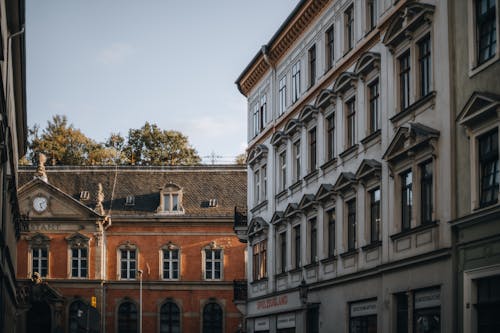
(241, 159)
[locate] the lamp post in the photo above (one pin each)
(140, 300)
(303, 290)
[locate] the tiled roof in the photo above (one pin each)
(199, 184)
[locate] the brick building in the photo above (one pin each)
(103, 234)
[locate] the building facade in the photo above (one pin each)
(476, 105)
(13, 132)
(113, 249)
(350, 169)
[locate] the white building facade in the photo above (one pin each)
(350, 170)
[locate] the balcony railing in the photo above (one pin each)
(240, 291)
(240, 217)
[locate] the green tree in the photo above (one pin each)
(241, 159)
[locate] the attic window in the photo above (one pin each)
(130, 200)
(84, 195)
(209, 203)
(171, 200)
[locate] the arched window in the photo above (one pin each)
(212, 318)
(78, 312)
(127, 318)
(170, 321)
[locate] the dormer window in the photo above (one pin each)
(84, 195)
(171, 200)
(130, 200)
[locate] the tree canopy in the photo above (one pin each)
(63, 144)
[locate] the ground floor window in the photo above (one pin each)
(313, 319)
(427, 313)
(212, 318)
(363, 317)
(488, 304)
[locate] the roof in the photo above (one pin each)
(199, 184)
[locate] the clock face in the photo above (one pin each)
(40, 204)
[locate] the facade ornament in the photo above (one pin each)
(99, 209)
(40, 170)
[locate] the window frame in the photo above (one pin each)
(282, 95)
(296, 82)
(283, 246)
(330, 136)
(170, 248)
(297, 246)
(331, 224)
(39, 241)
(373, 105)
(170, 322)
(404, 80)
(128, 261)
(424, 50)
(296, 149)
(349, 26)
(311, 54)
(375, 206)
(213, 249)
(282, 170)
(351, 224)
(406, 194)
(481, 161)
(312, 138)
(350, 119)
(40, 258)
(259, 260)
(330, 47)
(371, 15)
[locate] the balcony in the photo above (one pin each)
(240, 226)
(240, 291)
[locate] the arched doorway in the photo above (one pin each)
(39, 318)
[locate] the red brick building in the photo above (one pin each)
(98, 236)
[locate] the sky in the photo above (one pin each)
(112, 65)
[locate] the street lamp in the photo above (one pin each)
(303, 290)
(140, 300)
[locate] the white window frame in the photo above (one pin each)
(213, 248)
(282, 96)
(38, 241)
(296, 82)
(129, 248)
(169, 248)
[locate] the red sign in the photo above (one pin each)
(272, 302)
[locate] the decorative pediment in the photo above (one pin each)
(127, 245)
(39, 239)
(368, 62)
(257, 154)
(292, 209)
(368, 169)
(257, 226)
(479, 108)
(344, 82)
(345, 183)
(325, 192)
(408, 19)
(292, 126)
(410, 140)
(278, 217)
(78, 240)
(307, 202)
(326, 97)
(308, 114)
(170, 246)
(279, 138)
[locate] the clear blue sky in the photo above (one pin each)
(111, 65)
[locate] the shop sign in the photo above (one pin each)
(261, 324)
(427, 298)
(285, 321)
(275, 304)
(364, 308)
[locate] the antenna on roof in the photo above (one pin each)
(213, 157)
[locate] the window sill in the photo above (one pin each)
(486, 206)
(281, 275)
(295, 185)
(412, 110)
(296, 270)
(372, 137)
(348, 152)
(328, 260)
(281, 194)
(311, 175)
(372, 245)
(480, 67)
(349, 253)
(419, 228)
(330, 163)
(311, 265)
(264, 279)
(259, 206)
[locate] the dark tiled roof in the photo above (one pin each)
(226, 184)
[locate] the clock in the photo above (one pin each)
(40, 204)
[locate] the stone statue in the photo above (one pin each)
(40, 170)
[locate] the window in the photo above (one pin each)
(312, 65)
(79, 262)
(170, 264)
(213, 264)
(282, 170)
(260, 260)
(426, 192)
(330, 47)
(312, 150)
(256, 126)
(424, 62)
(351, 225)
(282, 245)
(401, 313)
(296, 252)
(363, 317)
(349, 28)
(488, 168)
(373, 91)
(260, 184)
(312, 319)
(375, 215)
(488, 304)
(256, 179)
(264, 182)
(40, 260)
(171, 199)
(170, 318)
(78, 312)
(331, 232)
(127, 318)
(128, 264)
(427, 311)
(330, 136)
(263, 112)
(351, 122)
(282, 95)
(486, 29)
(212, 318)
(404, 80)
(296, 156)
(313, 241)
(406, 199)
(296, 82)
(371, 14)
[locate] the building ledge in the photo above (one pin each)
(421, 104)
(372, 245)
(349, 253)
(349, 152)
(411, 231)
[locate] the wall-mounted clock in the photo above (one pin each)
(40, 204)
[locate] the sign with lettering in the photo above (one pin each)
(366, 308)
(44, 227)
(275, 304)
(261, 324)
(272, 302)
(285, 321)
(427, 298)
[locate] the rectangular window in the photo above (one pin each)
(171, 264)
(426, 192)
(375, 215)
(282, 95)
(351, 122)
(363, 317)
(296, 155)
(312, 65)
(486, 29)
(401, 313)
(312, 319)
(488, 304)
(296, 82)
(373, 91)
(427, 311)
(406, 199)
(256, 126)
(313, 241)
(175, 202)
(283, 252)
(330, 47)
(331, 232)
(330, 136)
(297, 247)
(351, 225)
(404, 80)
(260, 260)
(349, 28)
(424, 61)
(171, 202)
(264, 182)
(256, 179)
(128, 264)
(312, 150)
(488, 168)
(79, 262)
(263, 112)
(371, 14)
(40, 261)
(213, 264)
(282, 177)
